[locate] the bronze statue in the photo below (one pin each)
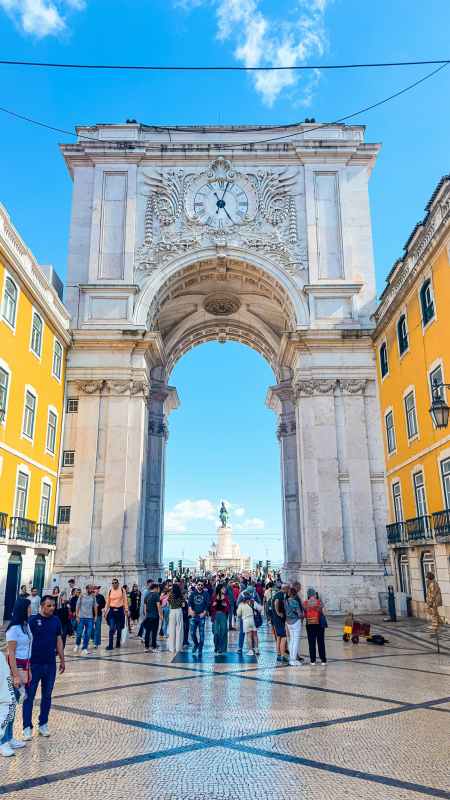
(223, 515)
(433, 601)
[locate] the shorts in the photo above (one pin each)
(278, 626)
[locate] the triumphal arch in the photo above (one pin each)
(256, 235)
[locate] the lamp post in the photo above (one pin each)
(439, 410)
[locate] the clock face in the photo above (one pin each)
(220, 203)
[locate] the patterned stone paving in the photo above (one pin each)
(372, 724)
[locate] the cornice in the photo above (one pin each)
(21, 260)
(422, 243)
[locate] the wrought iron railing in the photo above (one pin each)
(23, 529)
(419, 528)
(396, 533)
(441, 523)
(46, 534)
(3, 524)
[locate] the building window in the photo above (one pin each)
(427, 565)
(402, 335)
(384, 364)
(57, 360)
(419, 491)
(426, 302)
(68, 458)
(445, 472)
(72, 406)
(20, 505)
(37, 327)
(411, 418)
(436, 380)
(45, 503)
(397, 499)
(51, 431)
(29, 414)
(403, 573)
(10, 296)
(4, 382)
(390, 432)
(63, 515)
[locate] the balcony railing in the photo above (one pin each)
(3, 524)
(396, 533)
(441, 523)
(22, 529)
(419, 528)
(46, 534)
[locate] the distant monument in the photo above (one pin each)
(225, 556)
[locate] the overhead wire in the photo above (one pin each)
(124, 144)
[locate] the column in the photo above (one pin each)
(162, 400)
(281, 400)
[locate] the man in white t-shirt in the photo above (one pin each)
(35, 601)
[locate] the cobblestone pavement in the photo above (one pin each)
(373, 724)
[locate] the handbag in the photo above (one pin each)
(257, 618)
(124, 634)
(323, 622)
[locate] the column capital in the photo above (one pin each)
(281, 398)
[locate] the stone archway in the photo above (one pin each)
(288, 272)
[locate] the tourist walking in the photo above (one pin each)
(220, 611)
(63, 614)
(165, 608)
(47, 641)
(315, 626)
(8, 705)
(116, 612)
(279, 622)
(176, 602)
(86, 612)
(153, 617)
(18, 653)
(246, 612)
(35, 601)
(198, 609)
(135, 603)
(100, 604)
(294, 616)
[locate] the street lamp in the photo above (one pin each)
(439, 410)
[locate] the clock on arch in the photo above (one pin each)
(220, 198)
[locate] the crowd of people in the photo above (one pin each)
(175, 610)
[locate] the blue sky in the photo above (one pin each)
(36, 189)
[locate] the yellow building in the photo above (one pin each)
(33, 341)
(412, 339)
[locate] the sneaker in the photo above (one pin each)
(84, 652)
(95, 646)
(108, 647)
(324, 663)
(75, 649)
(257, 653)
(16, 744)
(249, 653)
(6, 750)
(27, 734)
(279, 659)
(312, 664)
(295, 664)
(285, 659)
(43, 730)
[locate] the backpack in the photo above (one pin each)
(377, 638)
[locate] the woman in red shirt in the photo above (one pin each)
(315, 626)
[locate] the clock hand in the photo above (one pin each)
(226, 187)
(226, 212)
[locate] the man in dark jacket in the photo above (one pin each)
(198, 608)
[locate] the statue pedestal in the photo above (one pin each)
(224, 542)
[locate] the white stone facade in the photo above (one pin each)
(156, 266)
(225, 556)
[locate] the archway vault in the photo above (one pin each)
(219, 299)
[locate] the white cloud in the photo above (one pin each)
(263, 40)
(41, 18)
(251, 524)
(239, 511)
(177, 519)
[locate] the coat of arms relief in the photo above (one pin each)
(260, 210)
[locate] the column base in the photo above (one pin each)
(342, 587)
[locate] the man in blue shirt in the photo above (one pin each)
(198, 608)
(47, 641)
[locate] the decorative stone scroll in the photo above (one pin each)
(353, 386)
(317, 386)
(114, 387)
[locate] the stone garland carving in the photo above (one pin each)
(114, 388)
(273, 229)
(317, 386)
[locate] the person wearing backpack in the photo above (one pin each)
(116, 612)
(315, 626)
(294, 618)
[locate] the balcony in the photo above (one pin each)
(22, 529)
(396, 533)
(46, 534)
(441, 524)
(3, 524)
(419, 528)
